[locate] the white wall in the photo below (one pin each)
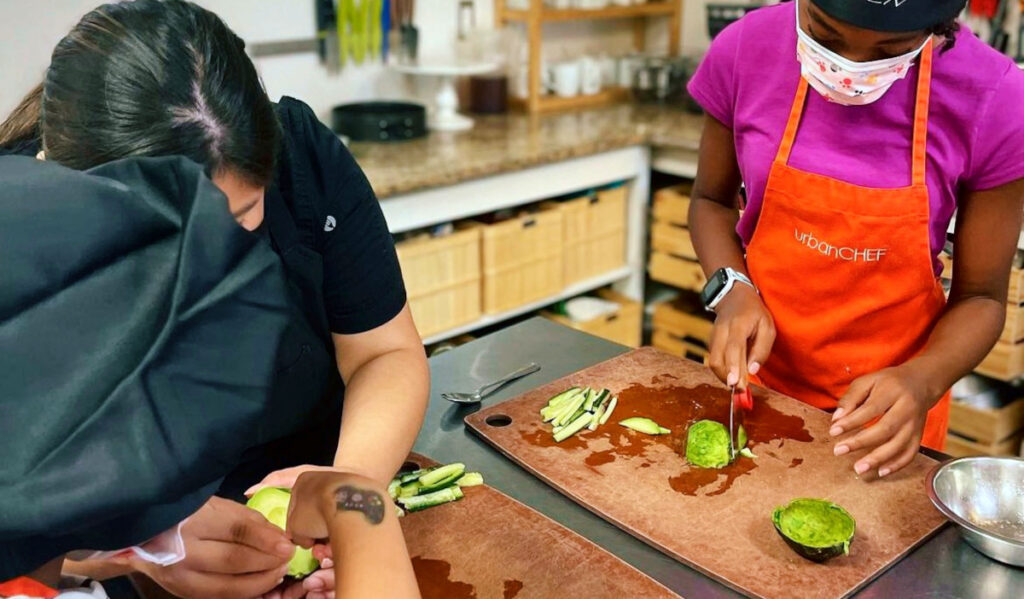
(29, 29)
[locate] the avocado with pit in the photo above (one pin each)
(816, 529)
(272, 502)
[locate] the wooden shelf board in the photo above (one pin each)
(549, 15)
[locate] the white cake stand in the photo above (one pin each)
(445, 116)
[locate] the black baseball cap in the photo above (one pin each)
(897, 16)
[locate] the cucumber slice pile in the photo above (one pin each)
(576, 409)
(429, 487)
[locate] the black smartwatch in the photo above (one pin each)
(720, 284)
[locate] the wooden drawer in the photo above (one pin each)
(672, 204)
(668, 343)
(678, 272)
(986, 425)
(1005, 362)
(959, 447)
(1015, 294)
(672, 239)
(672, 318)
(1013, 329)
(947, 265)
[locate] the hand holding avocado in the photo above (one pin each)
(230, 551)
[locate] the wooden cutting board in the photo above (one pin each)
(490, 546)
(718, 521)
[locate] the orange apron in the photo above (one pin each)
(846, 272)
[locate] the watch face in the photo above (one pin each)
(714, 286)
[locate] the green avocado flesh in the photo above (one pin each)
(816, 529)
(707, 444)
(273, 504)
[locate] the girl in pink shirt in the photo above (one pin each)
(857, 128)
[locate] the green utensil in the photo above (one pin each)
(359, 16)
(376, 30)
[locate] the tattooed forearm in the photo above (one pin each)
(354, 499)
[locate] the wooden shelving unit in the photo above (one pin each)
(538, 14)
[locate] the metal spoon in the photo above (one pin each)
(485, 390)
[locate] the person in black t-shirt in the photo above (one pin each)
(156, 78)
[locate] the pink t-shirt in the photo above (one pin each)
(976, 118)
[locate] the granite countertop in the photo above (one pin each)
(509, 142)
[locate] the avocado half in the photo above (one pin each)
(816, 529)
(273, 504)
(707, 444)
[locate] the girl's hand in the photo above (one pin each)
(895, 397)
(318, 497)
(743, 321)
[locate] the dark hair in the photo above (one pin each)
(151, 78)
(947, 30)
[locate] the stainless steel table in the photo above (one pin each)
(945, 566)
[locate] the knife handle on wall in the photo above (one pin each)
(325, 18)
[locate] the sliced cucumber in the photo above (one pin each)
(570, 409)
(588, 405)
(399, 511)
(409, 489)
(471, 479)
(573, 428)
(563, 396)
(602, 397)
(611, 408)
(430, 481)
(394, 487)
(422, 502)
(596, 420)
(434, 476)
(441, 484)
(644, 425)
(577, 414)
(557, 405)
(745, 452)
(405, 477)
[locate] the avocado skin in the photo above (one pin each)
(814, 554)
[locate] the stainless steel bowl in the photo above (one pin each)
(984, 496)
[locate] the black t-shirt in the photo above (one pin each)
(338, 216)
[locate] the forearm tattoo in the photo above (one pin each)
(354, 499)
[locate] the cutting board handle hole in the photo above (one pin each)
(498, 420)
(409, 466)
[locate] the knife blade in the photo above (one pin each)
(732, 423)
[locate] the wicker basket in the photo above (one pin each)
(624, 326)
(442, 279)
(522, 260)
(594, 233)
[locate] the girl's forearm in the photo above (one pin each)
(962, 337)
(385, 401)
(370, 557)
(713, 227)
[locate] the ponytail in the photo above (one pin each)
(22, 124)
